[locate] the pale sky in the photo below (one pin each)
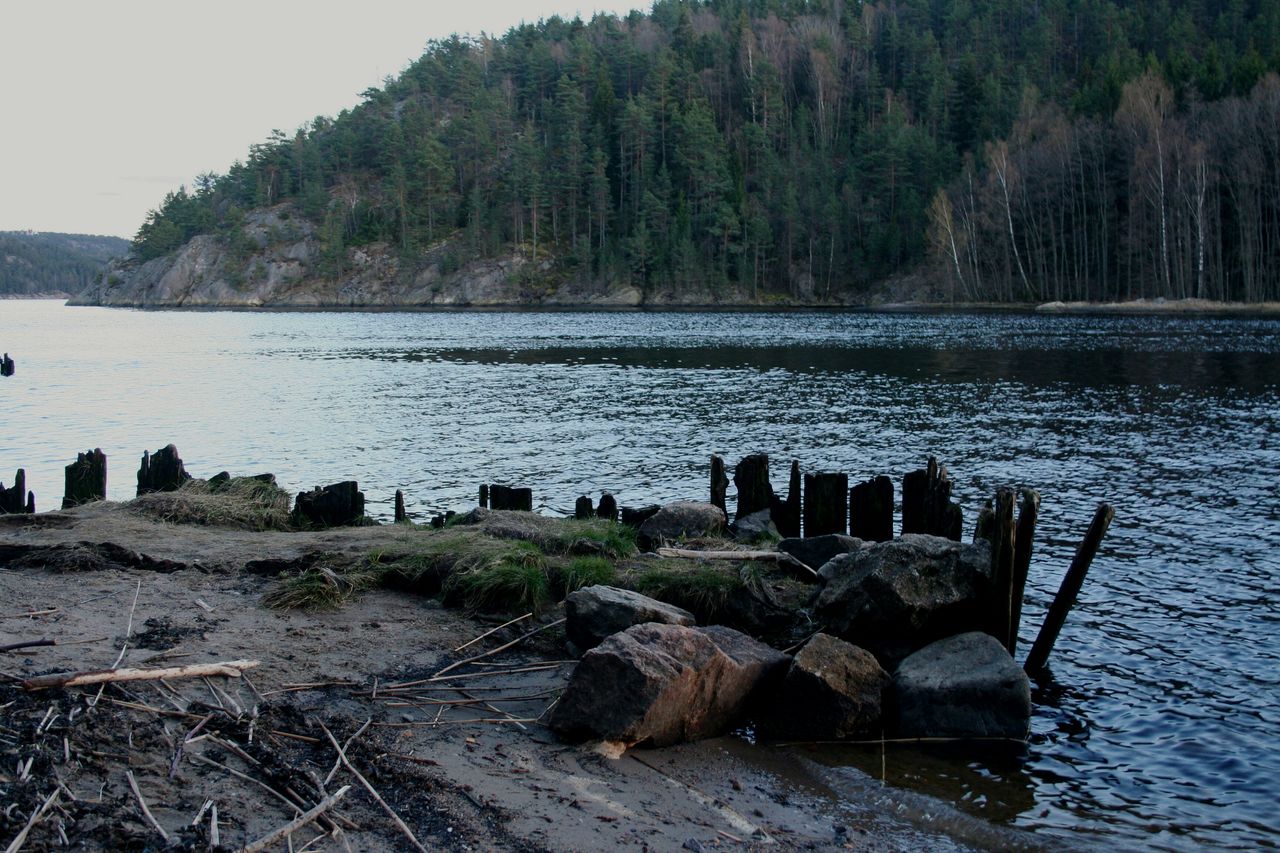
(106, 105)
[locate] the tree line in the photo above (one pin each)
(807, 148)
(36, 262)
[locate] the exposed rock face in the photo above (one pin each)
(664, 684)
(682, 519)
(833, 690)
(595, 613)
(331, 506)
(893, 598)
(963, 686)
(816, 551)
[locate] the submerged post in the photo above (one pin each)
(1067, 593)
(608, 507)
(871, 510)
(583, 508)
(484, 495)
(786, 514)
(17, 499)
(1022, 539)
(751, 478)
(825, 497)
(401, 516)
(6, 365)
(1001, 608)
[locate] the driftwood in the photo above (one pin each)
(342, 756)
(21, 837)
(297, 823)
(231, 669)
(146, 812)
(780, 557)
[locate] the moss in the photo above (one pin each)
(701, 588)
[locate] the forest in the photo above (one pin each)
(809, 150)
(36, 262)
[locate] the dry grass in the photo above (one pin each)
(245, 503)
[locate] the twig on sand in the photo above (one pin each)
(21, 837)
(231, 669)
(30, 614)
(491, 652)
(342, 756)
(492, 631)
(297, 823)
(338, 762)
(31, 644)
(146, 812)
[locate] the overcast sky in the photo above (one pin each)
(106, 106)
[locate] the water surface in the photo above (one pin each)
(1159, 726)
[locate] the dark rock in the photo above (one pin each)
(634, 516)
(595, 613)
(220, 479)
(161, 471)
(683, 519)
(337, 505)
(893, 598)
(664, 684)
(815, 551)
(86, 479)
(833, 690)
(963, 686)
(757, 526)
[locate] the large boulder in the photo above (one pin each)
(833, 690)
(816, 551)
(963, 686)
(755, 527)
(665, 684)
(681, 520)
(892, 598)
(595, 613)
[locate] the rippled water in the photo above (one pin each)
(1160, 725)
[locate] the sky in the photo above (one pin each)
(107, 106)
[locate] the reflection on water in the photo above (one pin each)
(1158, 728)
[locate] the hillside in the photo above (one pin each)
(766, 151)
(32, 262)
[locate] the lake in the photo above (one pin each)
(1159, 725)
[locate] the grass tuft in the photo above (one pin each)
(605, 537)
(516, 581)
(242, 502)
(702, 589)
(584, 571)
(319, 588)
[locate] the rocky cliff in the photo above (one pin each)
(276, 261)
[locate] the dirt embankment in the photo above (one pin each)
(459, 759)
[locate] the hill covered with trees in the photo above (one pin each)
(33, 262)
(802, 150)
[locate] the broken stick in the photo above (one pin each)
(297, 823)
(230, 669)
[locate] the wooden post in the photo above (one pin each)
(1001, 609)
(608, 507)
(161, 471)
(86, 479)
(915, 492)
(584, 508)
(719, 484)
(17, 499)
(6, 365)
(751, 478)
(786, 514)
(510, 498)
(825, 497)
(986, 526)
(401, 516)
(1067, 593)
(1022, 539)
(871, 510)
(484, 495)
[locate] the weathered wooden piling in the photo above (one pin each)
(161, 471)
(1023, 537)
(1067, 593)
(6, 365)
(719, 484)
(915, 491)
(825, 497)
(1002, 549)
(608, 507)
(330, 506)
(484, 495)
(519, 498)
(86, 479)
(787, 513)
(751, 479)
(584, 508)
(16, 499)
(401, 515)
(871, 510)
(927, 505)
(634, 516)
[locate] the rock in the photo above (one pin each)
(665, 684)
(332, 506)
(893, 598)
(757, 526)
(963, 686)
(816, 551)
(595, 613)
(684, 519)
(833, 690)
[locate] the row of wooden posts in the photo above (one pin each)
(86, 480)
